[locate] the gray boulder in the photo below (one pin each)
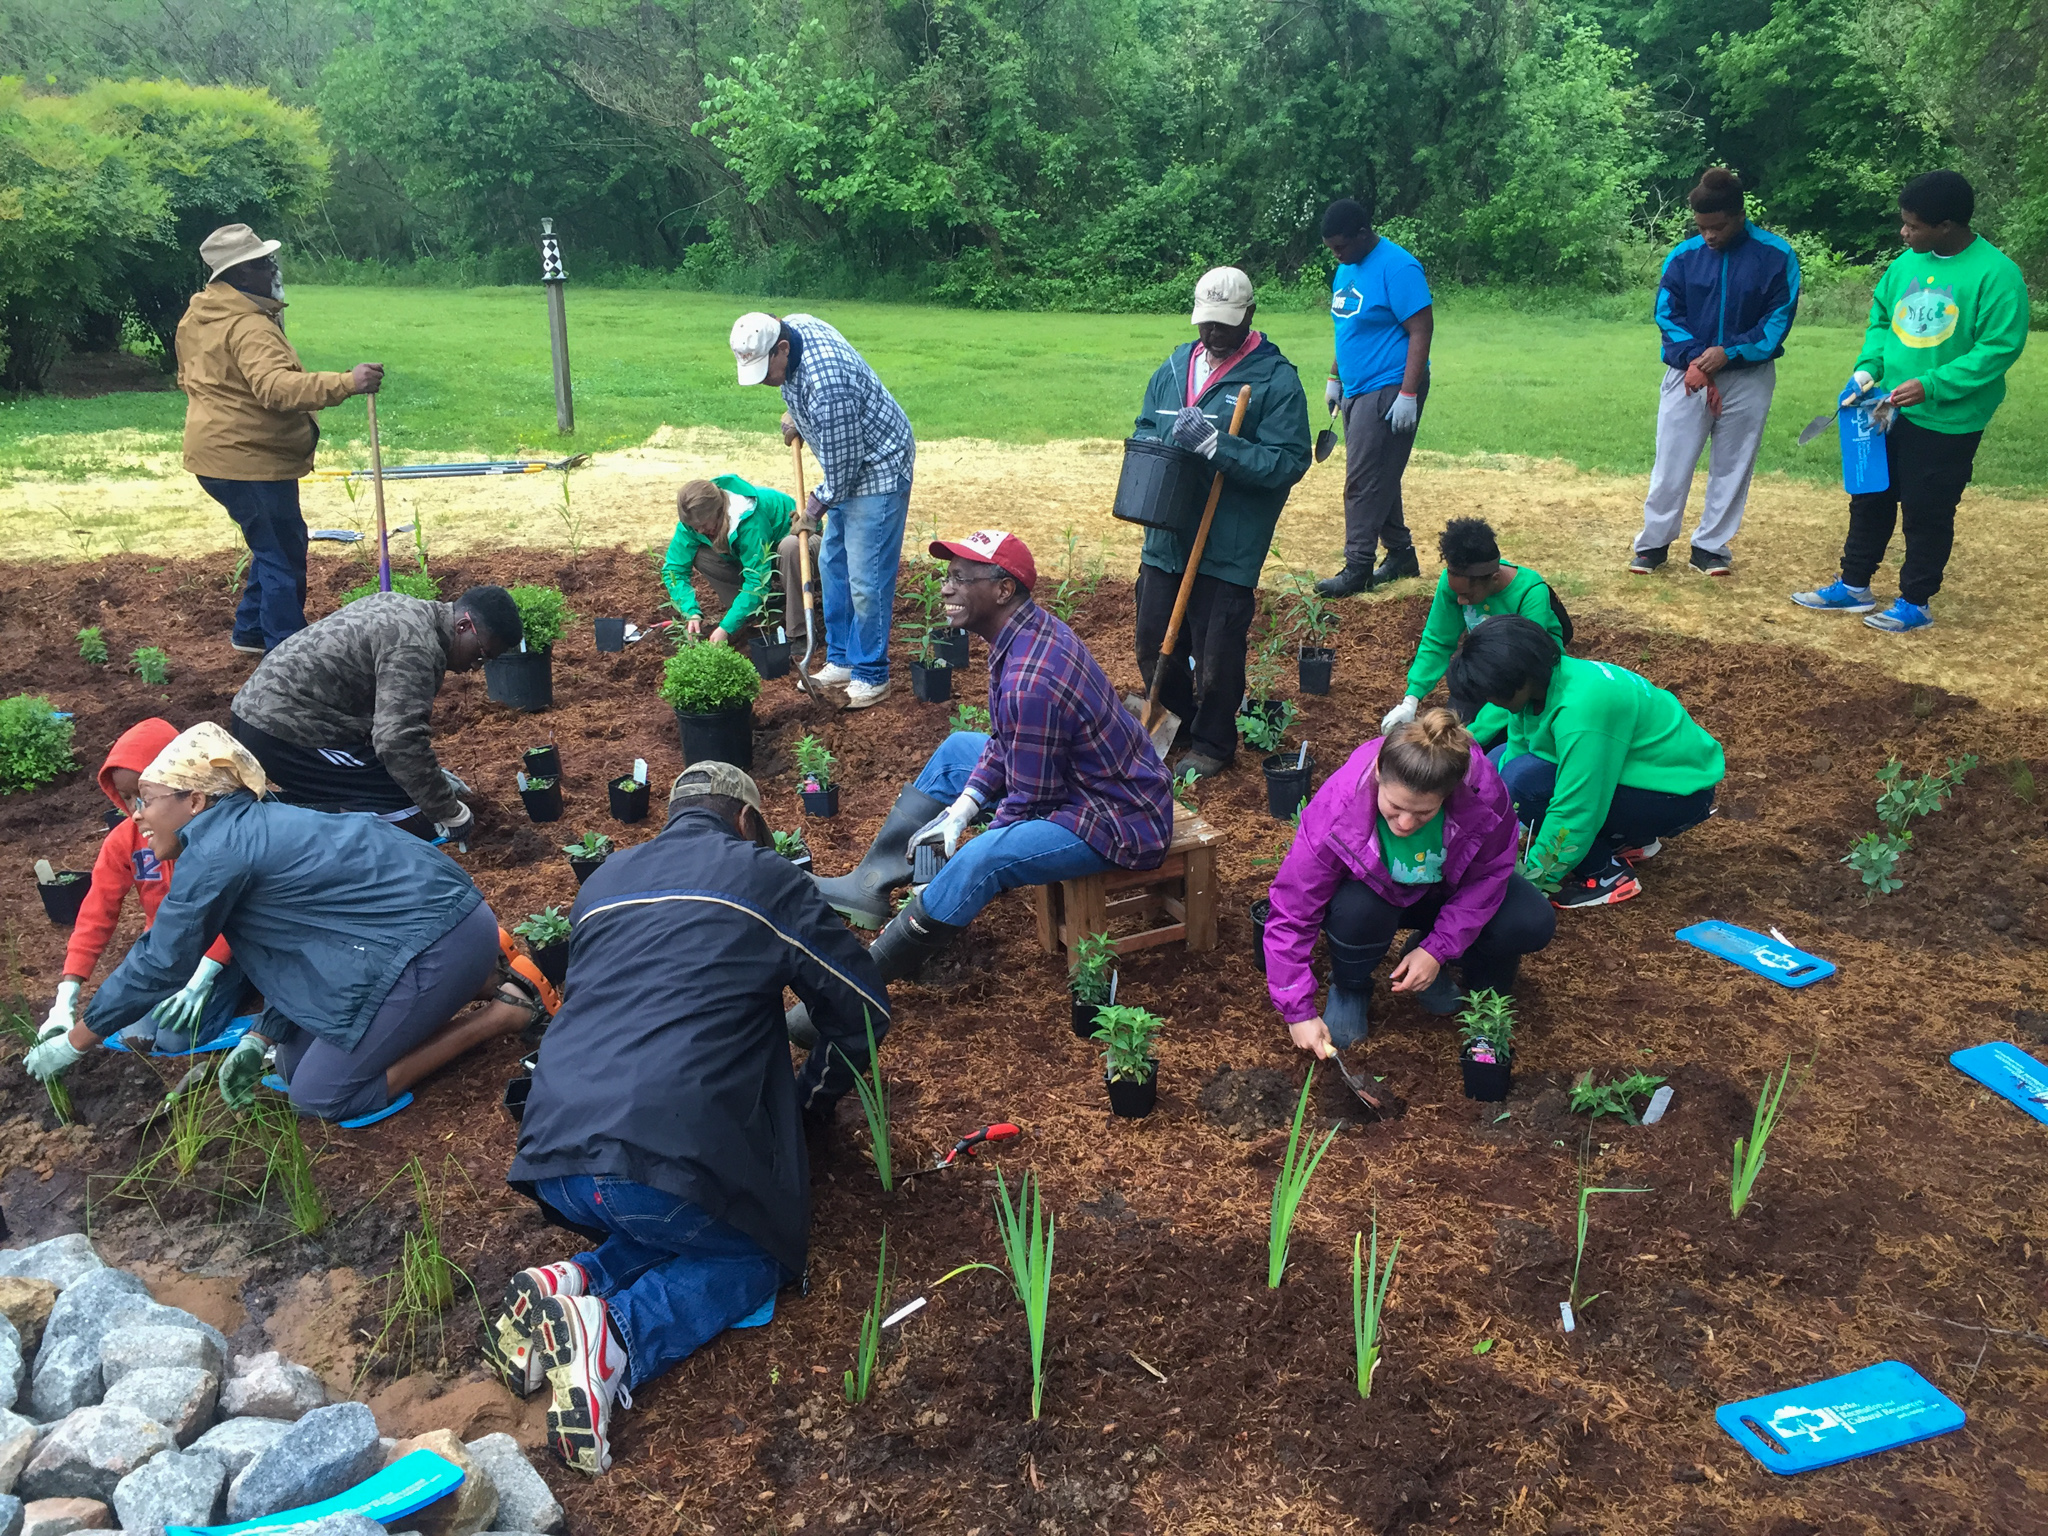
(237, 1441)
(85, 1309)
(90, 1452)
(67, 1379)
(141, 1312)
(325, 1453)
(524, 1502)
(17, 1445)
(331, 1525)
(268, 1386)
(147, 1346)
(63, 1261)
(13, 1369)
(176, 1488)
(10, 1515)
(179, 1397)
(63, 1517)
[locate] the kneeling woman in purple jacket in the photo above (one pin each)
(1415, 831)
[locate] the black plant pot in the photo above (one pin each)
(801, 859)
(1084, 1018)
(553, 960)
(1286, 785)
(926, 860)
(933, 684)
(520, 1088)
(522, 679)
(1261, 910)
(950, 646)
(629, 800)
(114, 818)
(1487, 1081)
(822, 802)
(611, 634)
(585, 868)
(724, 737)
(1133, 1100)
(543, 804)
(63, 896)
(1269, 710)
(542, 762)
(1316, 662)
(771, 657)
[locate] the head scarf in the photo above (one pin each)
(209, 760)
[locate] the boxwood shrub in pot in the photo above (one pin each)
(712, 689)
(525, 678)
(1130, 1069)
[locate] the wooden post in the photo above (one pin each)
(552, 278)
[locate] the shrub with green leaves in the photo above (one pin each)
(1902, 800)
(1593, 1099)
(1094, 965)
(969, 716)
(411, 583)
(543, 928)
(1126, 1035)
(35, 746)
(1267, 731)
(1875, 858)
(152, 664)
(92, 646)
(706, 679)
(544, 614)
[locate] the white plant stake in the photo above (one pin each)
(1659, 1102)
(639, 770)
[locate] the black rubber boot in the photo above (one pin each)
(862, 897)
(1347, 1007)
(1349, 582)
(912, 937)
(803, 1034)
(1399, 563)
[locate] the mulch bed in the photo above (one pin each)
(1896, 1219)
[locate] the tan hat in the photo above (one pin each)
(753, 338)
(230, 246)
(1224, 294)
(710, 778)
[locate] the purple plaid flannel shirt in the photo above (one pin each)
(1062, 747)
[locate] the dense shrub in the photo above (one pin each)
(35, 746)
(545, 614)
(705, 679)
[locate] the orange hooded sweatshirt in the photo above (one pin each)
(125, 861)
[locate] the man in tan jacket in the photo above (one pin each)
(249, 427)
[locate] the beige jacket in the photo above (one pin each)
(249, 403)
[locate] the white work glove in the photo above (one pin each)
(1400, 714)
(63, 1013)
(457, 826)
(945, 828)
(455, 785)
(1860, 384)
(50, 1058)
(180, 1011)
(1191, 429)
(1333, 393)
(1404, 412)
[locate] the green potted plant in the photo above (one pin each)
(815, 767)
(791, 846)
(586, 853)
(525, 678)
(542, 762)
(931, 672)
(63, 891)
(712, 689)
(546, 933)
(1129, 1067)
(629, 794)
(1315, 620)
(542, 797)
(949, 644)
(1488, 1056)
(1092, 982)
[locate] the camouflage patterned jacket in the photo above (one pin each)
(367, 673)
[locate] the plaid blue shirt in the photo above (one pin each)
(1062, 747)
(854, 425)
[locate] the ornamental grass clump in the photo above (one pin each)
(874, 1104)
(35, 745)
(706, 679)
(23, 1028)
(861, 1378)
(1369, 1286)
(288, 1164)
(1749, 1150)
(1296, 1169)
(1027, 1233)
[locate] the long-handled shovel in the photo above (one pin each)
(377, 485)
(1160, 723)
(804, 577)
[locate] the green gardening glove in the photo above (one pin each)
(240, 1071)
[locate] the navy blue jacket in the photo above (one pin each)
(668, 1061)
(1741, 299)
(323, 912)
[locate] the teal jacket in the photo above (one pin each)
(755, 544)
(1260, 465)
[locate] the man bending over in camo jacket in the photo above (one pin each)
(339, 714)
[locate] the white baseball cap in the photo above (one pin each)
(1224, 294)
(753, 338)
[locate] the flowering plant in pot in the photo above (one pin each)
(1314, 619)
(1092, 982)
(1488, 1057)
(815, 767)
(525, 678)
(586, 853)
(791, 846)
(546, 933)
(712, 689)
(1129, 1067)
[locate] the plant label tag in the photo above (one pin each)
(901, 1313)
(639, 770)
(2008, 1072)
(1659, 1102)
(1113, 975)
(1874, 1409)
(1785, 964)
(522, 781)
(45, 874)
(1564, 1312)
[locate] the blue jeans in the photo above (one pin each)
(857, 562)
(673, 1278)
(1002, 858)
(1634, 817)
(273, 602)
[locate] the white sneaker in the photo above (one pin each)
(833, 675)
(508, 1342)
(861, 695)
(587, 1369)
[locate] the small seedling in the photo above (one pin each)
(1281, 843)
(814, 765)
(1184, 789)
(874, 1103)
(861, 1378)
(23, 1028)
(591, 845)
(1296, 1169)
(1027, 1233)
(1094, 963)
(543, 782)
(92, 646)
(151, 664)
(1369, 1286)
(543, 928)
(425, 1275)
(1488, 1025)
(1125, 1035)
(1749, 1150)
(1578, 1304)
(1267, 731)
(1311, 616)
(572, 519)
(1875, 858)
(968, 716)
(1902, 800)
(789, 844)
(1596, 1099)
(2020, 775)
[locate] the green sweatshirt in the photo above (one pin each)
(1527, 594)
(1955, 323)
(1603, 726)
(754, 543)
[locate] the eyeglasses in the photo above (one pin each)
(950, 580)
(142, 803)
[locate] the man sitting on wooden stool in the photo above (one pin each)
(1069, 782)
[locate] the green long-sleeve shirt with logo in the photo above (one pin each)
(754, 543)
(1955, 323)
(1527, 594)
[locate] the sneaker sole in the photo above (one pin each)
(1870, 607)
(1628, 890)
(497, 1343)
(571, 1421)
(246, 650)
(1719, 570)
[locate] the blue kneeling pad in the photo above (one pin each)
(2008, 1072)
(1758, 952)
(1874, 1409)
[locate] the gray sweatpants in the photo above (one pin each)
(1684, 428)
(1375, 455)
(343, 1085)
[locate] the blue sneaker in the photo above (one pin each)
(1837, 597)
(1900, 617)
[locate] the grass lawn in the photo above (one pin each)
(469, 373)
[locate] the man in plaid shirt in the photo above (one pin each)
(864, 448)
(1068, 781)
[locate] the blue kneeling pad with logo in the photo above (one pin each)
(1874, 1409)
(1758, 952)
(409, 1484)
(2008, 1072)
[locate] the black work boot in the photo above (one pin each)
(912, 937)
(862, 897)
(1399, 563)
(1349, 582)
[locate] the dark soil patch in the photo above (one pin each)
(1892, 1220)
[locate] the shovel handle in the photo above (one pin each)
(1187, 580)
(377, 492)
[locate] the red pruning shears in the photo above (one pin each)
(968, 1145)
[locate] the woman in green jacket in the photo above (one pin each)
(1476, 585)
(735, 535)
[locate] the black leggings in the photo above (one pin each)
(1360, 925)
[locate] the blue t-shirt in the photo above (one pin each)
(1369, 300)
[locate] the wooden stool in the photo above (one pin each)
(1182, 890)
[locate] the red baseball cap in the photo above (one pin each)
(992, 546)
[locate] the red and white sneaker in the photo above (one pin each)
(586, 1365)
(1649, 850)
(1613, 882)
(508, 1341)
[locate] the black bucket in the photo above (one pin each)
(553, 960)
(1487, 1081)
(611, 634)
(584, 868)
(822, 802)
(63, 896)
(522, 680)
(725, 737)
(1132, 1099)
(545, 803)
(1286, 785)
(1162, 485)
(771, 657)
(629, 800)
